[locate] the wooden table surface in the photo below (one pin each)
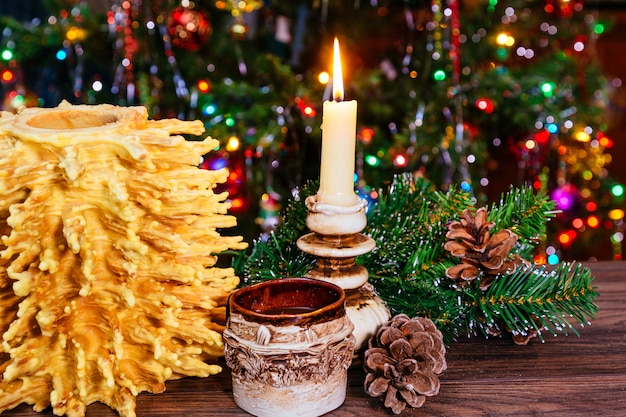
(565, 376)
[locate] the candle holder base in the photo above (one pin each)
(336, 257)
(329, 219)
(336, 241)
(367, 312)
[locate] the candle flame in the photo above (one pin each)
(337, 75)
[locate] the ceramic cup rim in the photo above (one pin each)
(324, 312)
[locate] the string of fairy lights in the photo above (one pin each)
(562, 150)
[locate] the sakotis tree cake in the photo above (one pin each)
(108, 278)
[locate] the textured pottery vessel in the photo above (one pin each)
(289, 345)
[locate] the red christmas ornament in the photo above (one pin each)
(188, 28)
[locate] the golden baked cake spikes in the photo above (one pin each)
(108, 278)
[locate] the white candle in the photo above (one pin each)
(338, 144)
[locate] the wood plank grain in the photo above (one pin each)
(565, 376)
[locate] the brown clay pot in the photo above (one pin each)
(289, 344)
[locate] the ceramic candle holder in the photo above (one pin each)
(289, 344)
(336, 241)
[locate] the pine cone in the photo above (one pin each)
(478, 250)
(403, 361)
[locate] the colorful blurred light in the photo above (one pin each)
(617, 190)
(17, 100)
(606, 142)
(616, 214)
(547, 88)
(366, 134)
(579, 45)
(485, 105)
(209, 109)
(309, 111)
(598, 28)
(504, 39)
(553, 259)
(204, 86)
(439, 75)
(582, 136)
(591, 206)
(75, 34)
(97, 86)
(399, 160)
(552, 128)
(564, 197)
(233, 144)
(593, 222)
(7, 54)
(7, 76)
(543, 136)
(540, 259)
(372, 160)
(566, 238)
(233, 176)
(237, 203)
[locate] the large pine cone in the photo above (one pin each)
(471, 242)
(403, 361)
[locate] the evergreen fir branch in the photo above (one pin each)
(275, 259)
(279, 256)
(534, 299)
(439, 304)
(409, 224)
(423, 290)
(294, 216)
(408, 265)
(524, 212)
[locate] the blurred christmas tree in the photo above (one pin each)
(479, 94)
